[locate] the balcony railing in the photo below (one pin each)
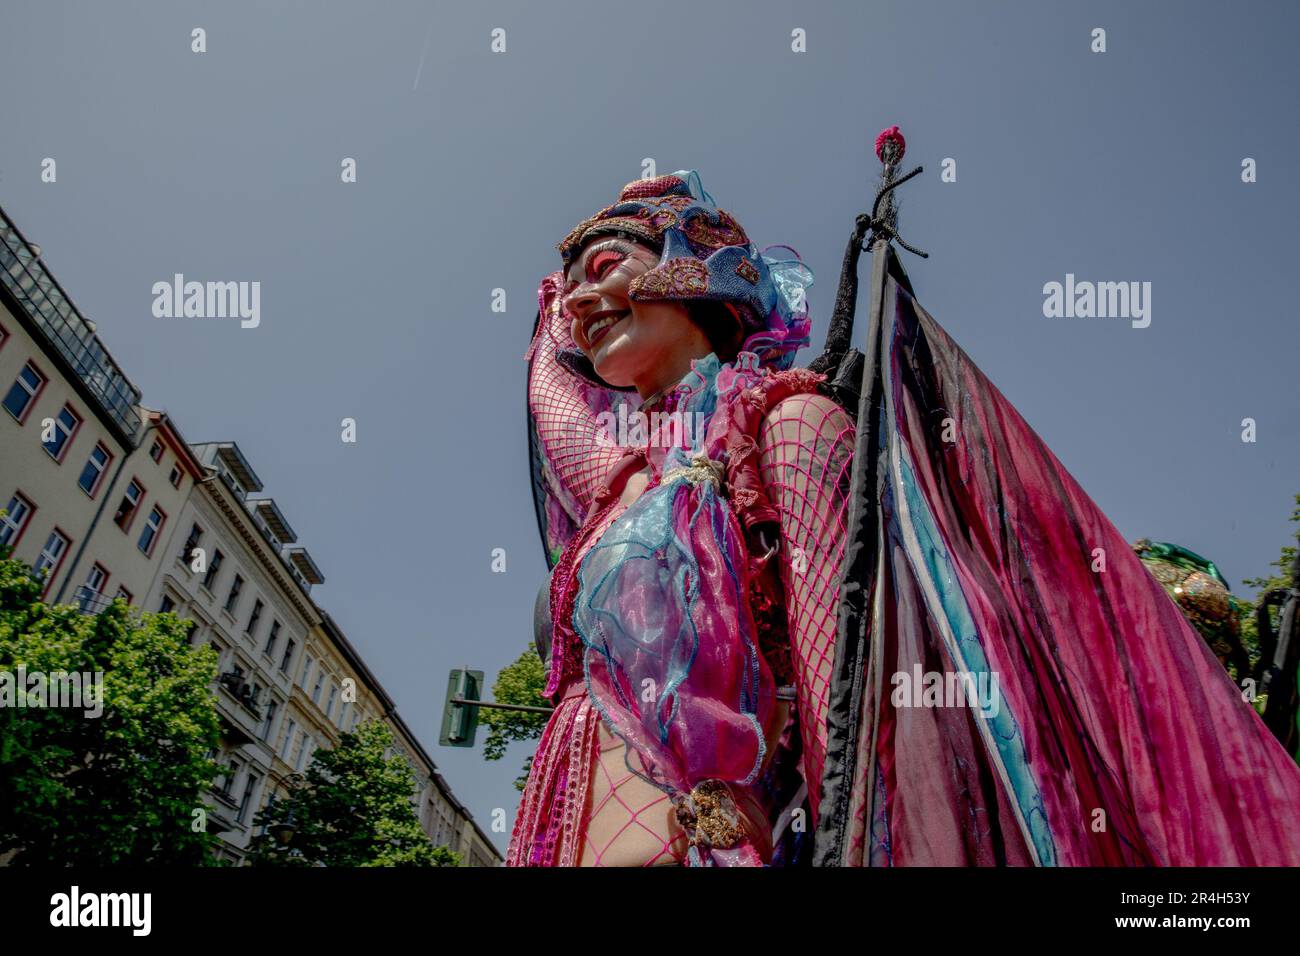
(233, 681)
(64, 326)
(90, 601)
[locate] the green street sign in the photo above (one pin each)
(460, 721)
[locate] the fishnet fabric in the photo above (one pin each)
(564, 411)
(806, 458)
(805, 455)
(628, 819)
(805, 452)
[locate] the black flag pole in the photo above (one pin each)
(858, 372)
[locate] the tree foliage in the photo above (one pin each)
(120, 788)
(1262, 585)
(519, 683)
(352, 808)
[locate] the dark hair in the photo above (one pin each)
(719, 325)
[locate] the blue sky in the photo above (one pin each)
(376, 295)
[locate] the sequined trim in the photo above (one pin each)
(550, 820)
(677, 278)
(655, 186)
(707, 236)
(701, 469)
(747, 271)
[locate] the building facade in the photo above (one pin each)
(335, 691)
(227, 572)
(106, 499)
(84, 502)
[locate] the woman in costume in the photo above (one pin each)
(694, 588)
(707, 713)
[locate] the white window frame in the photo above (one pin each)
(156, 529)
(67, 431)
(31, 392)
(11, 527)
(46, 560)
(97, 585)
(99, 471)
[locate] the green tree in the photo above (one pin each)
(519, 683)
(1262, 585)
(352, 808)
(121, 788)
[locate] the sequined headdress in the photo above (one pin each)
(706, 257)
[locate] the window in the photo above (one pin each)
(23, 392)
(14, 521)
(130, 502)
(254, 618)
(288, 657)
(152, 529)
(352, 721)
(265, 731)
(156, 450)
(97, 579)
(47, 563)
(232, 771)
(306, 673)
(230, 480)
(270, 641)
(96, 465)
(288, 740)
(320, 682)
(329, 703)
(191, 542)
(302, 751)
(210, 578)
(343, 714)
(65, 425)
(123, 595)
(167, 604)
(176, 476)
(232, 599)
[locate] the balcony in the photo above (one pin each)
(91, 602)
(65, 328)
(234, 684)
(236, 473)
(305, 570)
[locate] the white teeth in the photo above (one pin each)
(601, 324)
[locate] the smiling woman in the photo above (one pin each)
(693, 588)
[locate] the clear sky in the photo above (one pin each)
(376, 295)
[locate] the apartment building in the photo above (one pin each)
(335, 691)
(89, 478)
(233, 570)
(107, 499)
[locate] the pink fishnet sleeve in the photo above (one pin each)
(805, 458)
(564, 411)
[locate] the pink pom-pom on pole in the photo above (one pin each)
(890, 135)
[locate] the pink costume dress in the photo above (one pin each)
(788, 460)
(1102, 730)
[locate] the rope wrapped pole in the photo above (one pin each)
(845, 723)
